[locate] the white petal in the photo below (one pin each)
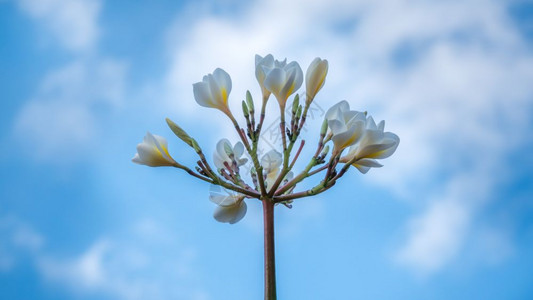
(344, 139)
(219, 162)
(271, 160)
(230, 214)
(315, 76)
(223, 80)
(216, 92)
(337, 126)
(275, 80)
(280, 64)
(376, 150)
(368, 163)
(149, 155)
(136, 159)
(221, 145)
(202, 94)
(371, 124)
(362, 169)
(393, 141)
(381, 125)
(222, 196)
(334, 110)
(238, 150)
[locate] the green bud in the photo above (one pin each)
(324, 128)
(195, 145)
(295, 103)
(180, 133)
(249, 100)
(245, 109)
(299, 112)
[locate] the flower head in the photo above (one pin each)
(346, 125)
(225, 153)
(153, 152)
(213, 90)
(315, 77)
(283, 80)
(374, 144)
(231, 207)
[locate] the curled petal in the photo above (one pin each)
(230, 214)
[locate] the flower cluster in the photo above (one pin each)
(355, 137)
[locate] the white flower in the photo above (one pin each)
(221, 154)
(283, 81)
(263, 65)
(214, 90)
(271, 163)
(231, 207)
(315, 77)
(374, 144)
(153, 152)
(346, 125)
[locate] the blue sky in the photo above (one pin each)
(447, 217)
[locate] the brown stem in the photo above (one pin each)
(270, 265)
(317, 170)
(297, 154)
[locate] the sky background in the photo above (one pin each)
(449, 216)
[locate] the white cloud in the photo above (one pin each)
(451, 78)
(72, 22)
(60, 122)
(18, 239)
(148, 262)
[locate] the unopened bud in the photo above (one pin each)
(180, 133)
(324, 128)
(299, 112)
(245, 109)
(295, 103)
(250, 100)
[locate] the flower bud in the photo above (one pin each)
(250, 101)
(324, 128)
(245, 109)
(180, 133)
(315, 78)
(295, 103)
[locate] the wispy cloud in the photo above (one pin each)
(59, 123)
(146, 261)
(61, 120)
(71, 22)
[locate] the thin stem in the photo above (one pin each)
(282, 127)
(252, 153)
(269, 258)
(191, 172)
(297, 154)
(317, 170)
(261, 120)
